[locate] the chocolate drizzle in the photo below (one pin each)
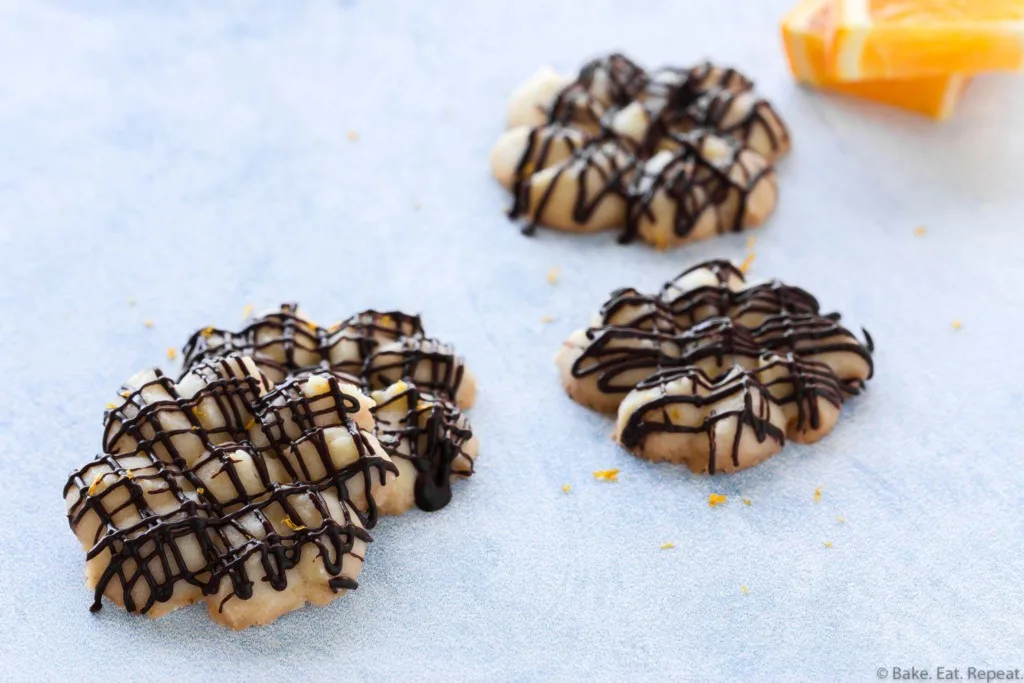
(372, 350)
(197, 478)
(682, 108)
(723, 339)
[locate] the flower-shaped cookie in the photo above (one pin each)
(418, 384)
(671, 156)
(223, 488)
(712, 372)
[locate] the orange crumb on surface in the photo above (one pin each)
(200, 490)
(607, 475)
(716, 499)
(957, 325)
(747, 263)
(352, 135)
(207, 331)
(817, 495)
(111, 406)
(668, 545)
(566, 488)
(920, 231)
(125, 394)
(129, 474)
(746, 591)
(553, 275)
(292, 525)
(828, 544)
(250, 424)
(149, 323)
(172, 353)
(747, 501)
(313, 327)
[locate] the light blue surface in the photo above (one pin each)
(196, 159)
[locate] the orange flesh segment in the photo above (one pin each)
(806, 31)
(885, 39)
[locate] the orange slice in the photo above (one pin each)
(912, 38)
(807, 31)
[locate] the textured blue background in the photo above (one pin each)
(196, 159)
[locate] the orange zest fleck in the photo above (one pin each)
(250, 424)
(607, 475)
(747, 263)
(566, 488)
(207, 331)
(95, 485)
(352, 136)
(668, 545)
(746, 591)
(828, 544)
(716, 499)
(553, 275)
(292, 525)
(247, 311)
(149, 324)
(129, 474)
(546, 319)
(200, 490)
(747, 501)
(957, 325)
(817, 495)
(110, 406)
(920, 231)
(172, 353)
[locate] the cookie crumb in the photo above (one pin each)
(920, 231)
(747, 501)
(149, 324)
(668, 545)
(547, 319)
(957, 325)
(817, 495)
(566, 488)
(841, 519)
(172, 353)
(747, 262)
(553, 275)
(828, 544)
(292, 525)
(607, 475)
(247, 311)
(352, 136)
(716, 499)
(746, 591)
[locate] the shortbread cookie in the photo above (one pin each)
(223, 488)
(673, 156)
(418, 383)
(713, 372)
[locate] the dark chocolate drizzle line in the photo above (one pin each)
(433, 432)
(678, 102)
(694, 185)
(136, 429)
(435, 445)
(804, 383)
